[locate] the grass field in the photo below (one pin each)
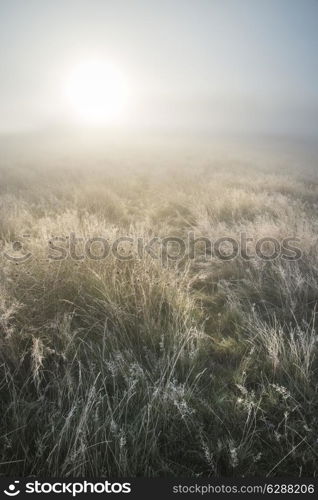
(133, 364)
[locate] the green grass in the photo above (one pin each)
(138, 367)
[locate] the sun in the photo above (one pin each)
(97, 93)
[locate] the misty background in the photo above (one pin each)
(232, 65)
(199, 71)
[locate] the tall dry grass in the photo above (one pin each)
(141, 367)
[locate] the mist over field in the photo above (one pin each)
(158, 238)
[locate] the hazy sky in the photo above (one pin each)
(237, 65)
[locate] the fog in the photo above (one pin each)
(203, 68)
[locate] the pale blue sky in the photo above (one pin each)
(202, 64)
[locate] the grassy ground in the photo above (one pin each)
(144, 366)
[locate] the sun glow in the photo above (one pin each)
(97, 93)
